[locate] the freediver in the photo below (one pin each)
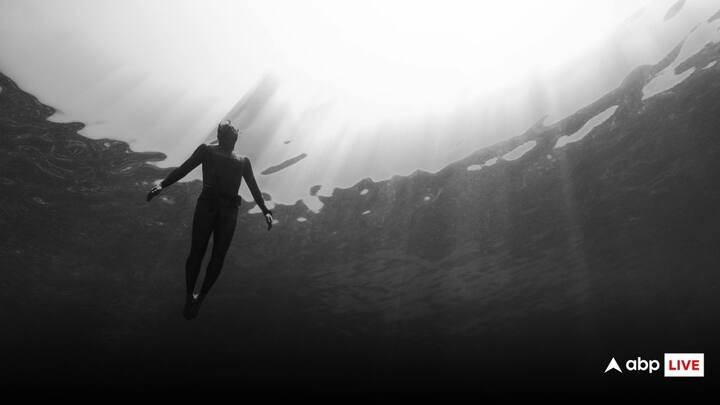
(216, 209)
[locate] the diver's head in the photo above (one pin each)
(227, 135)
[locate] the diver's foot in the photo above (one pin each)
(190, 301)
(195, 307)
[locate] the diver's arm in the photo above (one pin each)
(252, 184)
(255, 191)
(192, 162)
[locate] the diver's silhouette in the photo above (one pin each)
(216, 210)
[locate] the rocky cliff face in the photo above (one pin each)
(524, 254)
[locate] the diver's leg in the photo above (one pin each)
(223, 234)
(201, 229)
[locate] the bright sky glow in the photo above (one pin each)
(379, 58)
(403, 57)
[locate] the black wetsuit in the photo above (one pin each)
(217, 208)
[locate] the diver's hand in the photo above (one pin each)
(154, 192)
(269, 219)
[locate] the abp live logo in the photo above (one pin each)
(684, 364)
(675, 365)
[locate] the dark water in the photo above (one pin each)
(525, 277)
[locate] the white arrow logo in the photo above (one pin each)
(613, 366)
